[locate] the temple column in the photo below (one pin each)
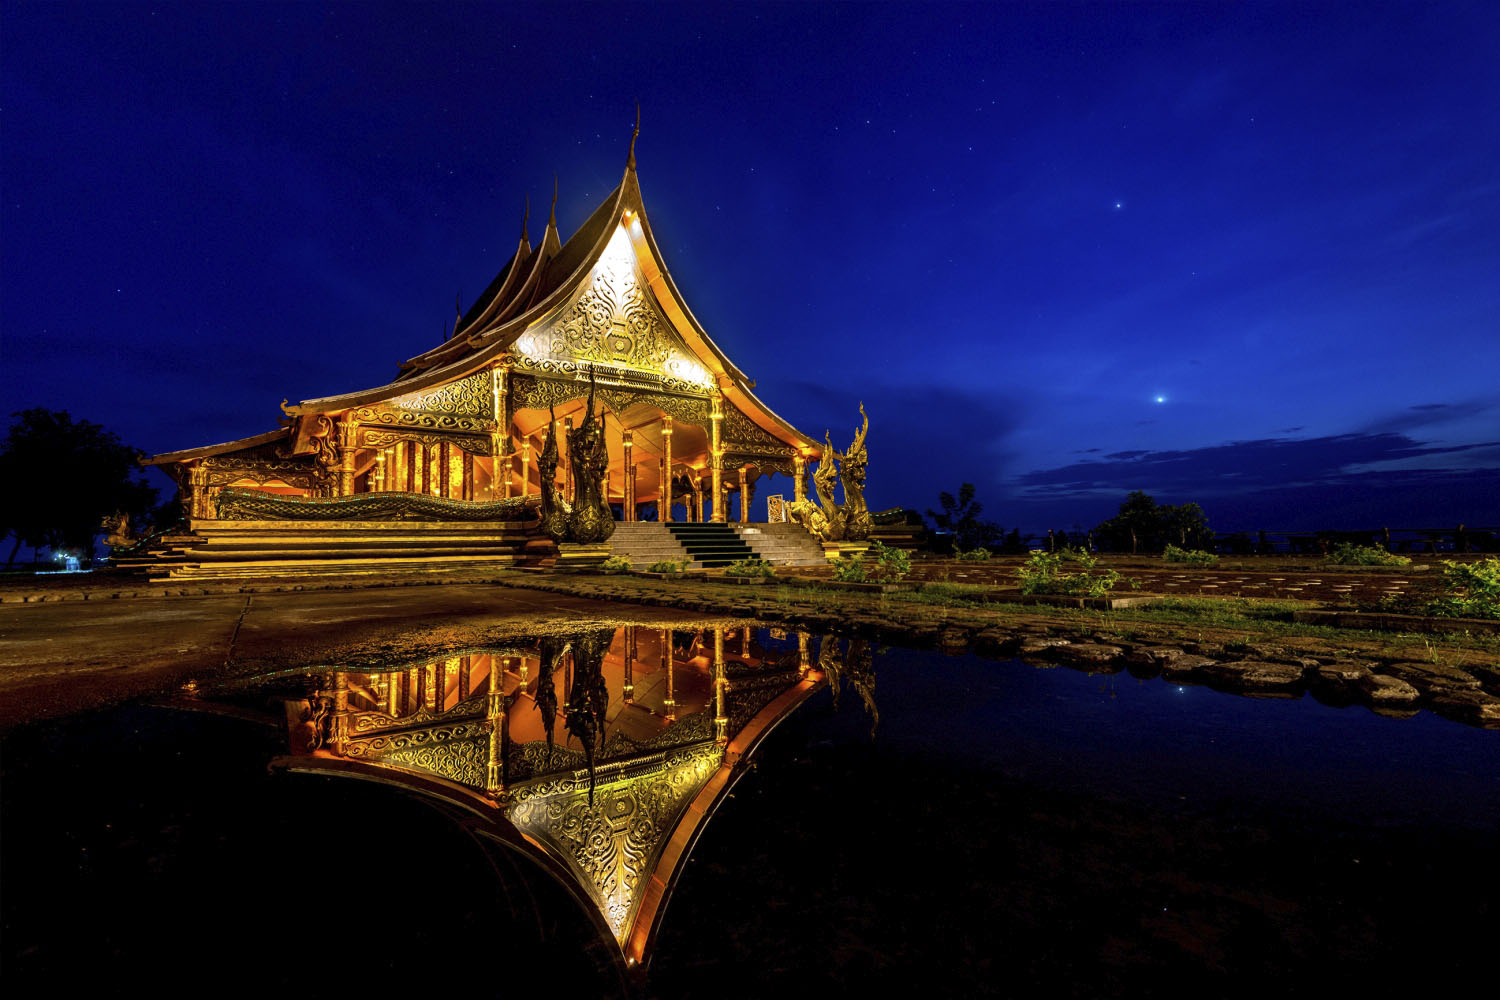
(525, 469)
(747, 494)
(467, 493)
(628, 438)
(721, 721)
(500, 436)
(445, 466)
(716, 460)
(198, 490)
(665, 503)
(566, 459)
(799, 477)
(380, 470)
(347, 429)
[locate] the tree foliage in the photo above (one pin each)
(62, 478)
(960, 518)
(1143, 525)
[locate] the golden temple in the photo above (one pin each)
(587, 336)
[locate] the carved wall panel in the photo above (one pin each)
(470, 396)
(474, 444)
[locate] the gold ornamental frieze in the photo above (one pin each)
(388, 417)
(469, 396)
(613, 321)
(474, 444)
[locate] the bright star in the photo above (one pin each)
(1161, 399)
(1119, 205)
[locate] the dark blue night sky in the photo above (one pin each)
(1247, 255)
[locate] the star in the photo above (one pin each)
(1161, 399)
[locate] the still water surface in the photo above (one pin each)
(1002, 830)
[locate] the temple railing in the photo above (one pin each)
(234, 504)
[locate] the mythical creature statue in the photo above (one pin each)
(857, 521)
(825, 485)
(556, 512)
(591, 520)
(588, 699)
(827, 518)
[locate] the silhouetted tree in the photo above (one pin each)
(960, 518)
(1142, 525)
(62, 478)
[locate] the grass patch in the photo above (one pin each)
(1346, 554)
(751, 568)
(1189, 557)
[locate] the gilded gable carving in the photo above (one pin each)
(614, 323)
(470, 396)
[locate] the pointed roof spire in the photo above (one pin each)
(525, 217)
(552, 219)
(630, 163)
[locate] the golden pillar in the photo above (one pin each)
(525, 468)
(445, 466)
(745, 497)
(716, 459)
(804, 654)
(665, 503)
(799, 477)
(198, 490)
(500, 449)
(380, 470)
(565, 458)
(721, 721)
(628, 439)
(347, 429)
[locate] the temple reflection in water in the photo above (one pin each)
(599, 754)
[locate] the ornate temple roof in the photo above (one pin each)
(537, 284)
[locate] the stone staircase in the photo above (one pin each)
(644, 543)
(220, 550)
(782, 544)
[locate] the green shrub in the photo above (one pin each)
(974, 555)
(615, 564)
(1042, 574)
(1193, 557)
(752, 567)
(850, 569)
(1346, 554)
(1471, 590)
(669, 566)
(890, 564)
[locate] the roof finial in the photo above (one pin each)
(525, 217)
(552, 220)
(630, 164)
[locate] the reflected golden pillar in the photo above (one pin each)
(628, 691)
(413, 690)
(799, 477)
(628, 439)
(664, 505)
(432, 687)
(465, 676)
(716, 460)
(721, 721)
(494, 780)
(804, 655)
(666, 665)
(339, 737)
